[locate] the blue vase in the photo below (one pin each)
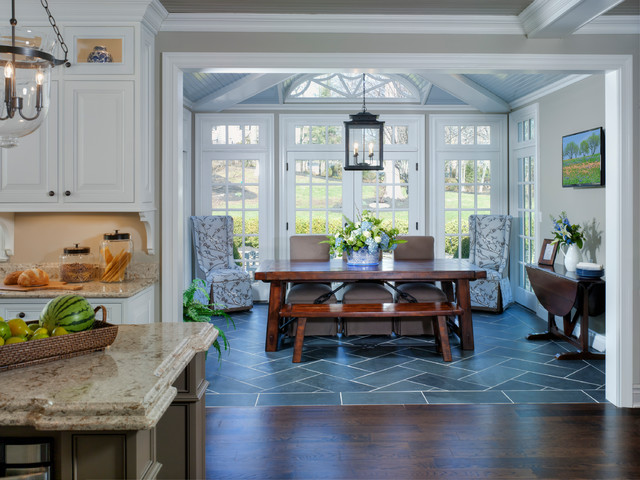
(362, 257)
(99, 54)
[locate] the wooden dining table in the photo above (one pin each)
(450, 272)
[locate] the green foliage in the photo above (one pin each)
(565, 233)
(194, 310)
(451, 243)
(368, 232)
(581, 171)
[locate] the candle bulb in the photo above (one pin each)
(371, 150)
(355, 149)
(8, 82)
(39, 82)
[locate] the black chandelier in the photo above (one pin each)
(364, 139)
(26, 59)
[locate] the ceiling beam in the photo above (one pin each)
(238, 91)
(468, 91)
(561, 18)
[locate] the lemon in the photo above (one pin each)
(40, 331)
(58, 331)
(5, 330)
(19, 327)
(38, 336)
(1, 341)
(11, 340)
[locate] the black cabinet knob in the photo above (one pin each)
(67, 193)
(21, 315)
(51, 193)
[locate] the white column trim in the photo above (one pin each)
(621, 210)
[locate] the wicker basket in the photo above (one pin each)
(49, 349)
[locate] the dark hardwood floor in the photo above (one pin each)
(561, 441)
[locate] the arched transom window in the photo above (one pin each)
(347, 87)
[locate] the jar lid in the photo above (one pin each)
(117, 236)
(76, 250)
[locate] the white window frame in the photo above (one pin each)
(352, 181)
(438, 149)
(263, 149)
(530, 147)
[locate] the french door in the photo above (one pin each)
(319, 193)
(234, 165)
(469, 176)
(524, 200)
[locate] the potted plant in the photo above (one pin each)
(197, 307)
(571, 237)
(363, 240)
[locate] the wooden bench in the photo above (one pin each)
(438, 310)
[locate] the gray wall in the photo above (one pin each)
(573, 109)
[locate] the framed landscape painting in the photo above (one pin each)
(583, 159)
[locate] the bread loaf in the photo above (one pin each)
(12, 278)
(33, 277)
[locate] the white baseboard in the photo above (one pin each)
(636, 396)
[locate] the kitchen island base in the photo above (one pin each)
(146, 429)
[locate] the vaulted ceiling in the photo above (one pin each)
(487, 92)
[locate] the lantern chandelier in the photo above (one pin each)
(364, 139)
(26, 59)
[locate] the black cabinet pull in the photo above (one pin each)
(67, 193)
(21, 315)
(51, 193)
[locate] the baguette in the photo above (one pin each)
(12, 278)
(34, 277)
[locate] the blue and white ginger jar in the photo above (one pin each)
(99, 54)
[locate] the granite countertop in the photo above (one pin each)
(126, 387)
(89, 289)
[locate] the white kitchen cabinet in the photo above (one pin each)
(29, 172)
(138, 309)
(99, 144)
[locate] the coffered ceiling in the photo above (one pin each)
(491, 93)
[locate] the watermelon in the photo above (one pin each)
(72, 312)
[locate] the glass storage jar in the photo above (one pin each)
(77, 265)
(115, 255)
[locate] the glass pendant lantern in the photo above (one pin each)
(26, 60)
(364, 139)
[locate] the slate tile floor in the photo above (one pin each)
(365, 370)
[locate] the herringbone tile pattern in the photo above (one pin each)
(503, 368)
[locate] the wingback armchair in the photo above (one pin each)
(229, 284)
(489, 249)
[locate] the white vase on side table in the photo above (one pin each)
(571, 257)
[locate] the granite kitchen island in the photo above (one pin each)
(135, 410)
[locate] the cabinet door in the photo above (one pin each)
(26, 311)
(29, 172)
(99, 142)
(140, 308)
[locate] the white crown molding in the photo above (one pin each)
(154, 15)
(554, 87)
(612, 25)
(30, 11)
(420, 24)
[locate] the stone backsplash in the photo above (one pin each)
(136, 271)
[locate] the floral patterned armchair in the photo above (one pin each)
(489, 249)
(213, 245)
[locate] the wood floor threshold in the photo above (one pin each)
(523, 441)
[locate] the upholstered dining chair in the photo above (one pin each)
(308, 248)
(367, 292)
(489, 249)
(229, 284)
(417, 247)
